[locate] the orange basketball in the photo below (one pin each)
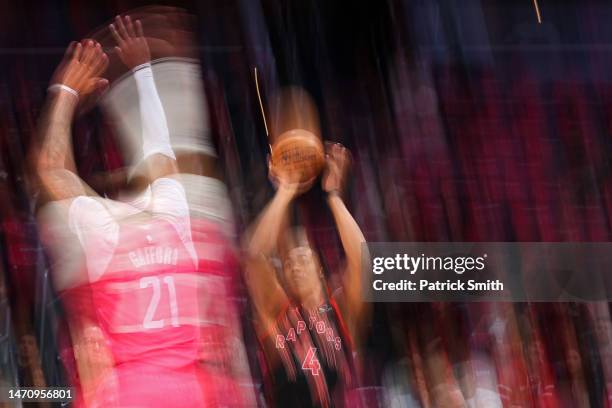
(298, 151)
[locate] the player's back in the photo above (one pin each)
(147, 298)
(145, 302)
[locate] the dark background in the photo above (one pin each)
(467, 120)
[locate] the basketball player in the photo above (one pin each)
(132, 303)
(306, 334)
(191, 119)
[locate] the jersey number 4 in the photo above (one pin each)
(156, 283)
(311, 362)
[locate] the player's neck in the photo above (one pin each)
(313, 300)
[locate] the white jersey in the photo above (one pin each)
(96, 221)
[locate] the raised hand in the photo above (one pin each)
(81, 67)
(288, 181)
(337, 163)
(132, 46)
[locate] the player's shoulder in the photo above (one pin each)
(338, 299)
(54, 212)
(62, 244)
(95, 212)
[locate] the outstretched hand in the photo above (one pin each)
(132, 47)
(337, 163)
(81, 67)
(288, 181)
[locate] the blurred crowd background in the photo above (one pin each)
(467, 120)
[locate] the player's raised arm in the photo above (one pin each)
(158, 159)
(261, 243)
(337, 165)
(76, 79)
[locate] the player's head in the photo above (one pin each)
(302, 274)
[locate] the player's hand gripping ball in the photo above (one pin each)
(299, 155)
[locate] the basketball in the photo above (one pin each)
(298, 152)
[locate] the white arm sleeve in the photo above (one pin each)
(97, 231)
(155, 133)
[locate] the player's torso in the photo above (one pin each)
(314, 354)
(163, 311)
(146, 300)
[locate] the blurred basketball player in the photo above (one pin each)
(132, 299)
(306, 333)
(192, 121)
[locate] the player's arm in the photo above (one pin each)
(260, 245)
(77, 77)
(337, 164)
(132, 48)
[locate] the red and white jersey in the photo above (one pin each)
(161, 289)
(143, 276)
(142, 289)
(147, 299)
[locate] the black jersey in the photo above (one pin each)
(313, 365)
